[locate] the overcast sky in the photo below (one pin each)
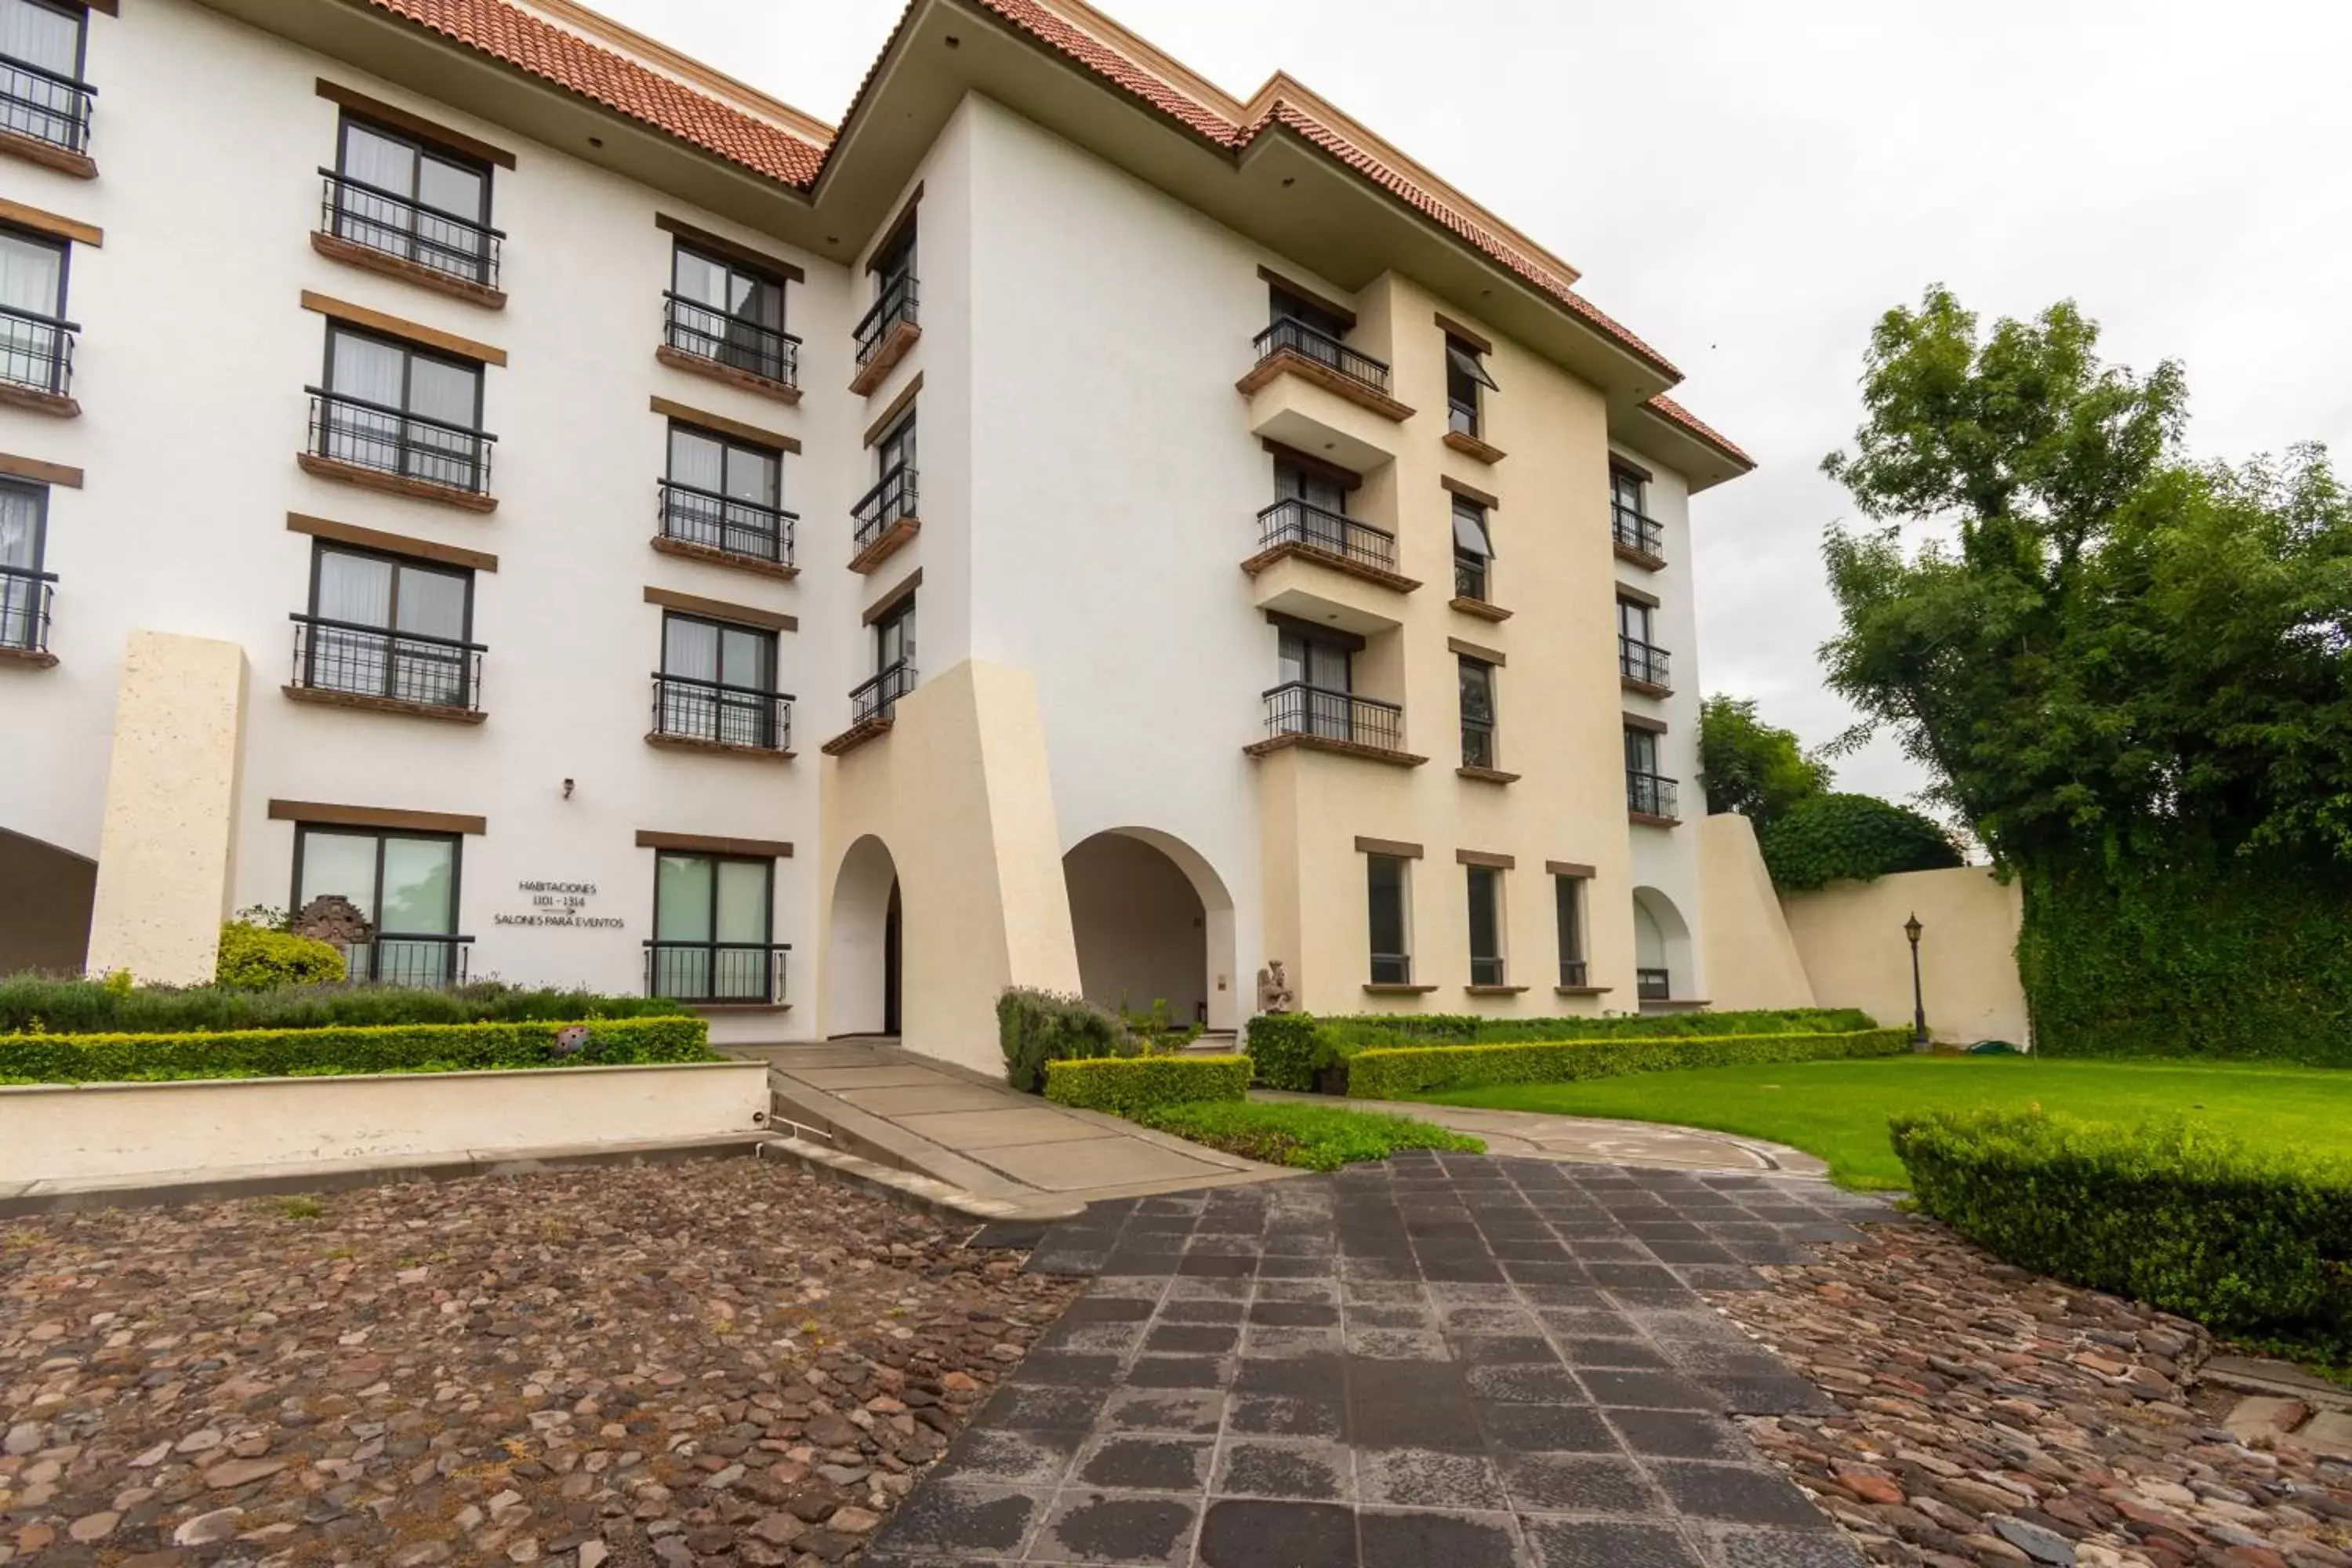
(1748, 186)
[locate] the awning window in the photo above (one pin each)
(1470, 530)
(1466, 362)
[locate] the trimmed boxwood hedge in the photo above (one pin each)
(2251, 1243)
(1127, 1085)
(1398, 1073)
(400, 1048)
(32, 1003)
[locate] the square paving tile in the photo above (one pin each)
(1528, 1385)
(1647, 1389)
(1299, 1377)
(1578, 1483)
(1240, 1532)
(1195, 1372)
(1158, 1464)
(1275, 1416)
(1392, 1539)
(1428, 1478)
(1452, 1426)
(1679, 1435)
(1504, 1350)
(1099, 1527)
(1608, 1543)
(962, 1520)
(1191, 1339)
(1549, 1429)
(1744, 1548)
(1192, 1412)
(1735, 1494)
(1312, 1469)
(1037, 1459)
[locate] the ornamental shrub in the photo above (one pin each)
(1285, 1049)
(1309, 1137)
(2251, 1243)
(1857, 837)
(1126, 1086)
(399, 1047)
(1034, 1027)
(255, 958)
(1403, 1072)
(30, 1004)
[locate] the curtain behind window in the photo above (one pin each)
(40, 36)
(20, 528)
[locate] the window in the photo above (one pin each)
(1310, 331)
(1485, 925)
(724, 494)
(405, 197)
(1385, 879)
(893, 268)
(35, 340)
(1474, 550)
(398, 409)
(1633, 621)
(893, 664)
(382, 625)
(1320, 672)
(406, 886)
(1478, 712)
(1639, 658)
(24, 589)
(1284, 306)
(894, 264)
(1465, 374)
(724, 311)
(718, 682)
(1568, 901)
(1313, 506)
(1646, 793)
(1629, 526)
(893, 498)
(711, 932)
(41, 92)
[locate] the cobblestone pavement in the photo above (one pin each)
(1448, 1361)
(1986, 1415)
(726, 1362)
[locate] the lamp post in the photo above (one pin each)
(1912, 928)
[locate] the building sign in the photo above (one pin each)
(560, 904)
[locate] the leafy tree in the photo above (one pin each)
(1833, 837)
(1753, 768)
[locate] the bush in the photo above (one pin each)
(400, 1048)
(253, 958)
(1284, 1049)
(1310, 1137)
(1835, 838)
(2177, 1216)
(1123, 1088)
(1403, 1072)
(1034, 1027)
(29, 1003)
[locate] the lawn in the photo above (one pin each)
(1839, 1110)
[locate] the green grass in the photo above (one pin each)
(1310, 1137)
(1839, 1110)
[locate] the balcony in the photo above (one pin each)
(25, 597)
(420, 959)
(1652, 984)
(885, 518)
(886, 333)
(36, 362)
(368, 444)
(1310, 391)
(45, 117)
(872, 707)
(707, 526)
(1643, 667)
(1637, 537)
(343, 664)
(716, 973)
(707, 342)
(695, 715)
(1650, 798)
(1296, 528)
(383, 231)
(1316, 719)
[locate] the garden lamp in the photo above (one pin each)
(1911, 929)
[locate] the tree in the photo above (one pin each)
(1752, 767)
(1834, 837)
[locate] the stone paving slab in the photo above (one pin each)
(1005, 1126)
(1440, 1360)
(1104, 1163)
(914, 1100)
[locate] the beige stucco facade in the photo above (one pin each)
(1850, 935)
(1752, 959)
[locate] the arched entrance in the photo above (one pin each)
(1153, 921)
(864, 953)
(45, 920)
(1662, 962)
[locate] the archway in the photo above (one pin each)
(45, 920)
(1664, 964)
(1152, 920)
(863, 953)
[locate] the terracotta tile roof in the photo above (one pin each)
(1674, 412)
(510, 34)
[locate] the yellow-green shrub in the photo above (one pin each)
(255, 958)
(1125, 1085)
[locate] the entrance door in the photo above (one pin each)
(892, 967)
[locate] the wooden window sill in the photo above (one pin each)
(1266, 559)
(1272, 744)
(1641, 558)
(888, 543)
(1581, 990)
(1395, 988)
(27, 659)
(856, 735)
(344, 473)
(710, 555)
(1645, 819)
(350, 254)
(716, 748)
(327, 697)
(1287, 361)
(1644, 688)
(1478, 607)
(1486, 775)
(33, 150)
(1471, 447)
(903, 336)
(695, 365)
(55, 404)
(1493, 990)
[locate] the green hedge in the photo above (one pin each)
(1402, 1072)
(1034, 1027)
(400, 1048)
(29, 1003)
(1309, 1137)
(1850, 837)
(2183, 1217)
(253, 958)
(1125, 1086)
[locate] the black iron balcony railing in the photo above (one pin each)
(37, 351)
(1647, 794)
(693, 515)
(45, 106)
(748, 973)
(400, 666)
(408, 958)
(397, 226)
(1636, 532)
(25, 597)
(1477, 745)
(1638, 660)
(691, 326)
(1295, 708)
(410, 446)
(688, 709)
(1652, 986)
(892, 500)
(1325, 350)
(1572, 971)
(875, 698)
(896, 304)
(1295, 522)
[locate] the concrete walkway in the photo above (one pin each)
(1650, 1145)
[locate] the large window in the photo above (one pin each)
(1387, 880)
(724, 494)
(1632, 527)
(408, 198)
(1485, 924)
(893, 268)
(24, 590)
(41, 92)
(1466, 377)
(35, 339)
(1474, 552)
(1647, 793)
(725, 310)
(1478, 712)
(1639, 658)
(711, 932)
(405, 884)
(893, 498)
(718, 682)
(1568, 900)
(893, 664)
(403, 410)
(1316, 674)
(384, 625)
